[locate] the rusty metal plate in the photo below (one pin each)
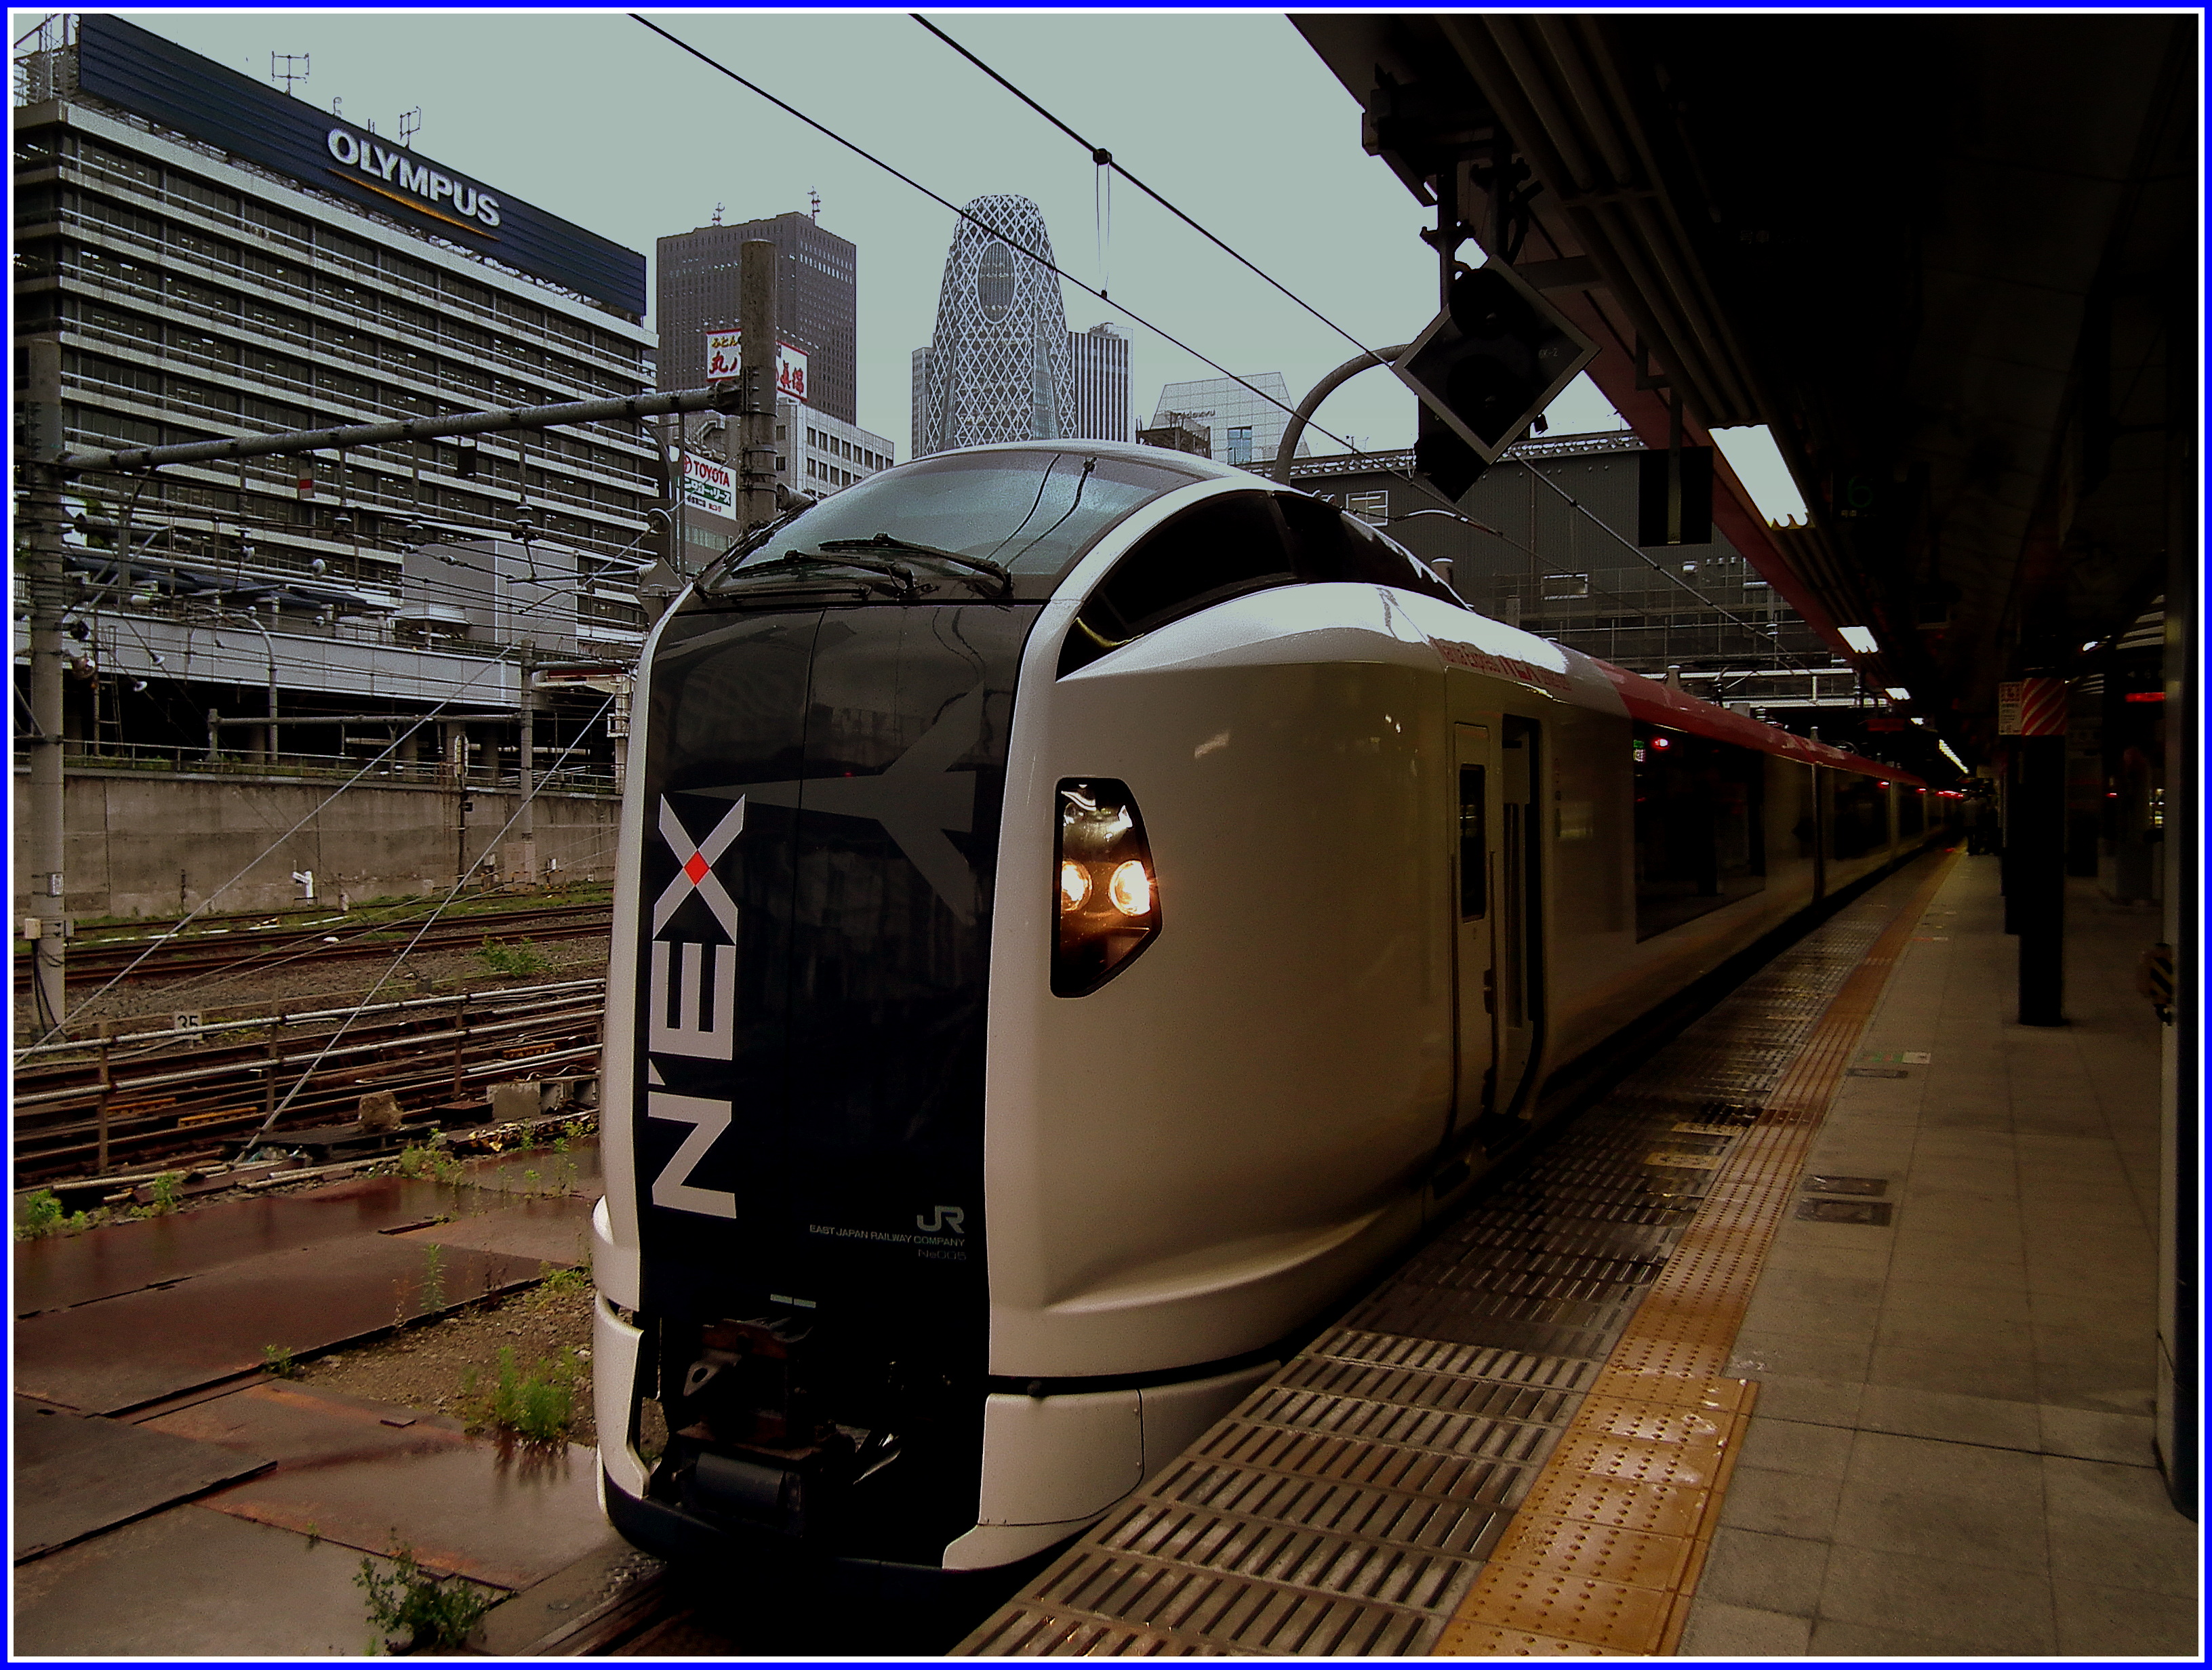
(504, 1515)
(1875, 1212)
(79, 1474)
(187, 1583)
(60, 1271)
(211, 1326)
(556, 1230)
(543, 1171)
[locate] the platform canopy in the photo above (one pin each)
(1948, 260)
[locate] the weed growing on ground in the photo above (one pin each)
(538, 1407)
(433, 1614)
(554, 1286)
(166, 1190)
(434, 1277)
(280, 1363)
(521, 957)
(43, 1215)
(433, 1161)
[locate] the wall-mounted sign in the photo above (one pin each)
(726, 358)
(2031, 707)
(710, 486)
(126, 65)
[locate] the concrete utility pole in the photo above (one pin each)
(42, 826)
(757, 259)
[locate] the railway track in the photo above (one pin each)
(258, 951)
(85, 1109)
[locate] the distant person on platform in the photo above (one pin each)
(1985, 836)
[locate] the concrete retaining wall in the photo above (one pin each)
(140, 844)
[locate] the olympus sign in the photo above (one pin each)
(425, 188)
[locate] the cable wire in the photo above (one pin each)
(525, 801)
(306, 819)
(1105, 159)
(980, 224)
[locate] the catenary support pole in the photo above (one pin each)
(2038, 897)
(756, 264)
(1294, 431)
(526, 817)
(44, 827)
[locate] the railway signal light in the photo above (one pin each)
(1486, 366)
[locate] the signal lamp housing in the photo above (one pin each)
(1107, 900)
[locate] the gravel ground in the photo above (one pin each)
(428, 1367)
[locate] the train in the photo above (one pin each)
(1082, 911)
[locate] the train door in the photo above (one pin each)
(1518, 945)
(1473, 957)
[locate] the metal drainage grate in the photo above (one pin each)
(1816, 1183)
(1844, 1211)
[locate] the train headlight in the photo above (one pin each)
(1075, 886)
(1110, 902)
(1131, 889)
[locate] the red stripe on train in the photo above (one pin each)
(1659, 704)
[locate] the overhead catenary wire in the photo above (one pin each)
(977, 222)
(1105, 158)
(305, 819)
(461, 882)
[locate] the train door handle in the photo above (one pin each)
(1490, 991)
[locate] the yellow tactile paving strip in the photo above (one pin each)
(1603, 1557)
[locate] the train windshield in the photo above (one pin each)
(1031, 514)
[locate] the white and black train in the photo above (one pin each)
(1082, 911)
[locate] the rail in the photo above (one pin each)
(81, 1108)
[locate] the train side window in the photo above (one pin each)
(1861, 822)
(1326, 545)
(1474, 844)
(1216, 549)
(1700, 827)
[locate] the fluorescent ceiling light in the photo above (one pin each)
(1897, 693)
(1857, 640)
(1757, 461)
(1949, 755)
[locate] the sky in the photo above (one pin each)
(1229, 116)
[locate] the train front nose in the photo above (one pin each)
(822, 797)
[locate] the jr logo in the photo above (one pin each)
(947, 1220)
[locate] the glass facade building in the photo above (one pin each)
(1242, 427)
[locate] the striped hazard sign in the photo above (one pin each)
(2031, 707)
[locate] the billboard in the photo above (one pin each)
(129, 66)
(725, 355)
(710, 486)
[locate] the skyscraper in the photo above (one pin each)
(1243, 427)
(1101, 384)
(696, 291)
(1003, 365)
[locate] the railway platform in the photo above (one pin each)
(1828, 1331)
